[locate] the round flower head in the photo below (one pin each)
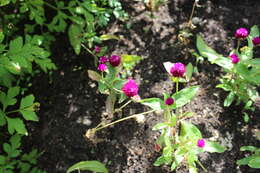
(115, 60)
(97, 49)
(241, 33)
(201, 143)
(102, 67)
(256, 41)
(169, 101)
(234, 58)
(103, 59)
(178, 70)
(130, 88)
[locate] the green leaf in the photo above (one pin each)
(7, 148)
(109, 37)
(2, 36)
(255, 163)
(212, 55)
(189, 71)
(16, 124)
(4, 2)
(2, 118)
(2, 160)
(154, 103)
(27, 102)
(245, 161)
(246, 117)
(224, 86)
(254, 31)
(15, 141)
(160, 126)
(16, 45)
(248, 148)
(213, 147)
(190, 130)
(74, 33)
(94, 166)
(229, 99)
(159, 161)
(94, 75)
(29, 115)
(185, 96)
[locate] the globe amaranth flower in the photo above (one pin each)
(169, 101)
(178, 70)
(102, 67)
(234, 58)
(103, 59)
(241, 33)
(130, 88)
(97, 49)
(256, 41)
(115, 60)
(201, 143)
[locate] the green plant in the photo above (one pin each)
(253, 160)
(81, 19)
(180, 140)
(241, 70)
(94, 166)
(12, 160)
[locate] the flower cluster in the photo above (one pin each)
(130, 88)
(234, 58)
(241, 33)
(178, 70)
(201, 143)
(114, 60)
(256, 41)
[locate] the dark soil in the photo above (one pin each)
(71, 104)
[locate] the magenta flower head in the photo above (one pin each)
(97, 49)
(102, 67)
(256, 41)
(169, 101)
(234, 58)
(178, 70)
(241, 33)
(130, 88)
(201, 143)
(115, 60)
(103, 59)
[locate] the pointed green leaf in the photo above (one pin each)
(109, 37)
(214, 147)
(154, 103)
(245, 161)
(160, 126)
(185, 96)
(27, 101)
(189, 71)
(74, 33)
(229, 99)
(94, 75)
(255, 163)
(248, 148)
(15, 141)
(190, 130)
(29, 115)
(94, 166)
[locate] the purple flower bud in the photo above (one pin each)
(178, 70)
(169, 101)
(102, 67)
(115, 60)
(241, 33)
(256, 41)
(201, 143)
(103, 59)
(97, 49)
(130, 88)
(234, 58)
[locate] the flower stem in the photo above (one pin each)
(204, 169)
(89, 51)
(123, 119)
(119, 109)
(192, 12)
(12, 111)
(238, 44)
